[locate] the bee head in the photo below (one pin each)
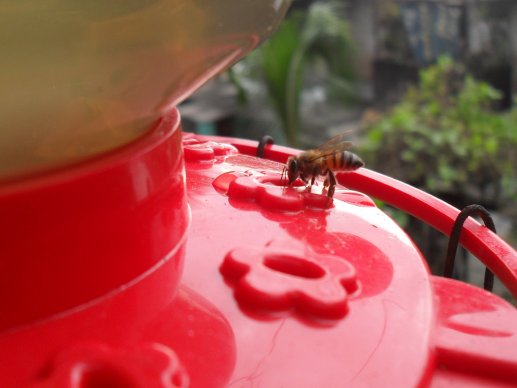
(292, 170)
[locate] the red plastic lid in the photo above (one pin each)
(280, 286)
(329, 294)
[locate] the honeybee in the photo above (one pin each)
(324, 160)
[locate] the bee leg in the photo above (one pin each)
(304, 180)
(332, 184)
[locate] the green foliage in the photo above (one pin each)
(282, 60)
(318, 34)
(444, 137)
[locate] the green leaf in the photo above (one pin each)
(443, 134)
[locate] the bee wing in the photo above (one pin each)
(335, 148)
(337, 142)
(331, 146)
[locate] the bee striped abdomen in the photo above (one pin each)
(343, 161)
(348, 160)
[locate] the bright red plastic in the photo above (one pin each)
(280, 287)
(453, 322)
(494, 252)
(74, 235)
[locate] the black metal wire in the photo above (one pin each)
(266, 139)
(471, 210)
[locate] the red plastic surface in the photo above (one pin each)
(72, 236)
(435, 332)
(280, 287)
(494, 252)
(476, 337)
(299, 338)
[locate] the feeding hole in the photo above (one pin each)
(279, 181)
(102, 376)
(272, 181)
(294, 266)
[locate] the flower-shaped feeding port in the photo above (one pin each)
(270, 191)
(205, 151)
(95, 364)
(281, 277)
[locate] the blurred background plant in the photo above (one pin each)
(444, 137)
(316, 41)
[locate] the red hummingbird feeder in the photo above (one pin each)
(169, 259)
